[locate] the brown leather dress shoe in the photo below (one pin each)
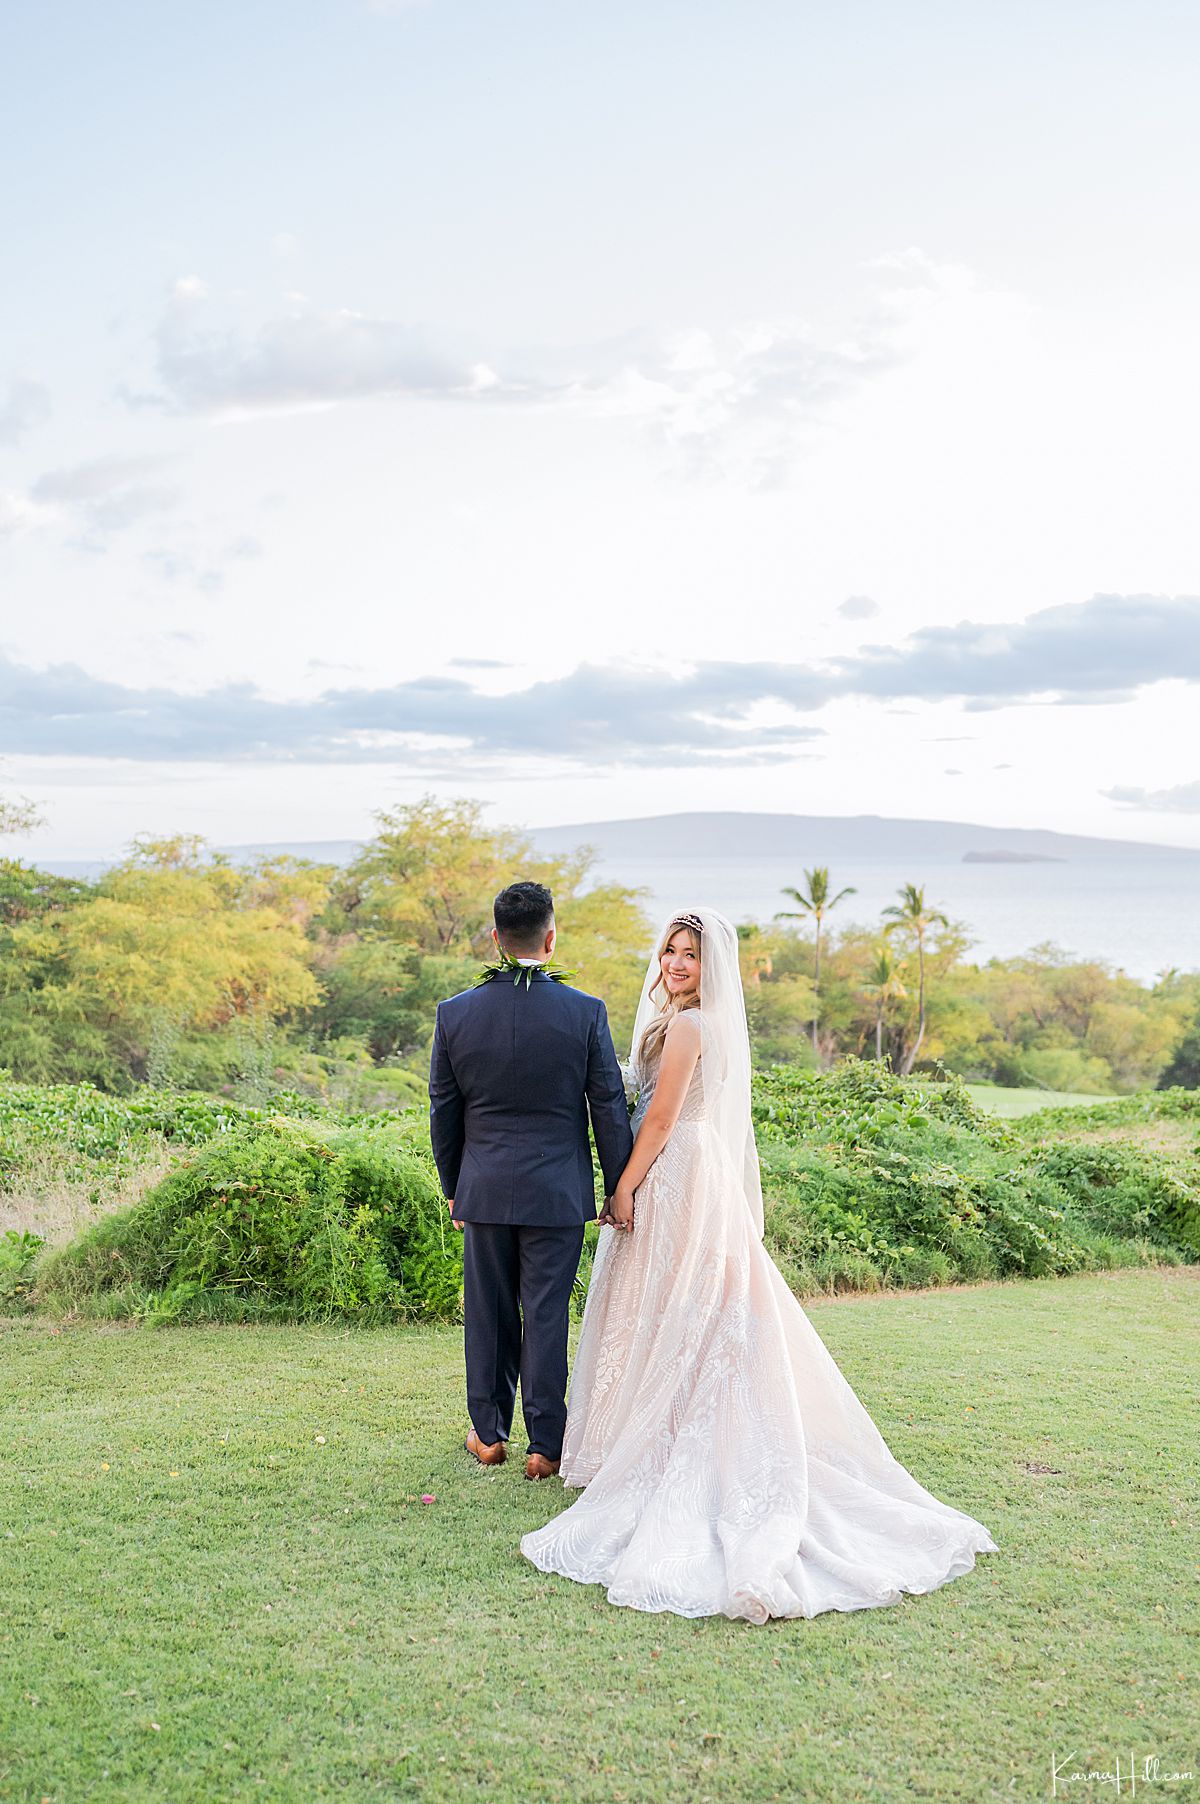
(493, 1454)
(538, 1466)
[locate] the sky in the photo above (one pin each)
(598, 411)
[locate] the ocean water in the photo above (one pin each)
(1140, 918)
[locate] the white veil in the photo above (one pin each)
(725, 1043)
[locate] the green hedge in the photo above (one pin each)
(89, 1125)
(279, 1217)
(870, 1180)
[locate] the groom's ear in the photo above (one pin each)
(551, 936)
(495, 936)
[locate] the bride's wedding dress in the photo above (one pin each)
(729, 1466)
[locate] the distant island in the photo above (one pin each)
(1002, 857)
(725, 837)
(846, 839)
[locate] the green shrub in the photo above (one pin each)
(87, 1125)
(275, 1217)
(871, 1178)
(913, 1178)
(1122, 1191)
(18, 1252)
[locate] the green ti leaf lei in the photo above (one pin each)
(505, 966)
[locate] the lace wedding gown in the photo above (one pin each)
(729, 1467)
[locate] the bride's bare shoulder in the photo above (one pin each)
(685, 1026)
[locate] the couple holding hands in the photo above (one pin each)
(725, 1465)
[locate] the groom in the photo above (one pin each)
(517, 1068)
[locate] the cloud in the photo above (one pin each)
(1183, 798)
(733, 405)
(740, 404)
(736, 403)
(17, 513)
(244, 549)
(179, 566)
(632, 716)
(302, 359)
(714, 712)
(93, 480)
(1101, 650)
(26, 405)
(857, 607)
(108, 493)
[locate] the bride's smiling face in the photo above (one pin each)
(680, 964)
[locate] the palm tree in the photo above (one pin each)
(814, 903)
(883, 981)
(914, 913)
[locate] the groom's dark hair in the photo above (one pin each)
(523, 914)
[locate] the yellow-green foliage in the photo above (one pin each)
(180, 969)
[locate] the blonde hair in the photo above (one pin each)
(668, 1006)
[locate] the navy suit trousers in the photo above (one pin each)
(516, 1309)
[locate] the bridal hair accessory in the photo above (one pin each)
(689, 920)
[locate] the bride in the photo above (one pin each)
(729, 1467)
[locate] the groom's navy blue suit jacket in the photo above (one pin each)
(515, 1073)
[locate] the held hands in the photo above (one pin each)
(619, 1209)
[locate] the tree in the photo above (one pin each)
(178, 852)
(912, 914)
(45, 1037)
(884, 984)
(604, 935)
(164, 941)
(429, 875)
(814, 904)
(778, 987)
(1184, 1066)
(27, 893)
(18, 817)
(423, 888)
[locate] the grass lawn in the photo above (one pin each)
(220, 1581)
(1015, 1102)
